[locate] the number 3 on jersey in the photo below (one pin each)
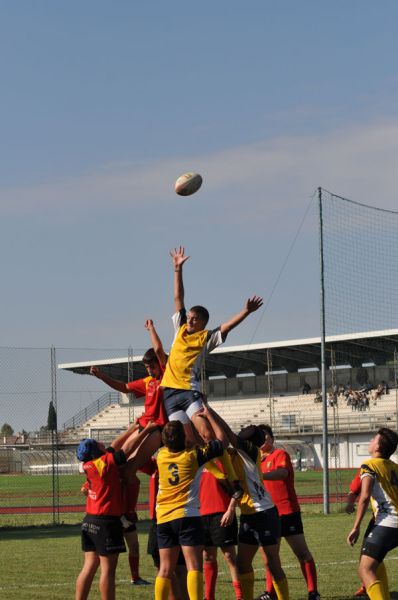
(175, 478)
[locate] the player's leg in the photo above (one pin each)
(86, 575)
(107, 580)
(292, 531)
(269, 583)
(246, 554)
(374, 550)
(168, 562)
(149, 445)
(269, 537)
(194, 560)
(229, 554)
(210, 571)
(131, 538)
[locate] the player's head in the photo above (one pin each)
(252, 434)
(89, 449)
(268, 438)
(384, 443)
(151, 364)
(197, 318)
(173, 436)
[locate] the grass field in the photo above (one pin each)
(44, 562)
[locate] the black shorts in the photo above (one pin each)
(187, 531)
(379, 542)
(291, 524)
(260, 528)
(216, 535)
(153, 548)
(181, 404)
(103, 535)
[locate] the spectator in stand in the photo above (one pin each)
(306, 388)
(278, 475)
(102, 531)
(221, 528)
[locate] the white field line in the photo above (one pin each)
(221, 572)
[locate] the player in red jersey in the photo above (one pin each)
(278, 478)
(155, 361)
(102, 533)
(217, 510)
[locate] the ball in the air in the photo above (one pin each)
(188, 184)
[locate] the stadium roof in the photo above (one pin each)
(353, 349)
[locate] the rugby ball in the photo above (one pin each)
(188, 184)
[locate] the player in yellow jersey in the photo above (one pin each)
(179, 524)
(259, 519)
(181, 381)
(379, 485)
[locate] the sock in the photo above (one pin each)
(162, 588)
(238, 590)
(247, 585)
(269, 584)
(308, 569)
(229, 470)
(210, 570)
(282, 589)
(194, 585)
(134, 562)
(375, 591)
(381, 575)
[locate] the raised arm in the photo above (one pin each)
(252, 304)
(156, 343)
(178, 258)
(119, 386)
(221, 429)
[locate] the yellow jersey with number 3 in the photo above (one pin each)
(179, 480)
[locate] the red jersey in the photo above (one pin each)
(153, 406)
(281, 491)
(104, 486)
(213, 497)
(151, 469)
(355, 485)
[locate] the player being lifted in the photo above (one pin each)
(154, 361)
(379, 477)
(182, 378)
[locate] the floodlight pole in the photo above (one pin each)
(325, 441)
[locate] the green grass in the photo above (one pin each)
(44, 562)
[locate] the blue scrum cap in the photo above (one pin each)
(87, 450)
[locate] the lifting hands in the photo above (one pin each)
(178, 257)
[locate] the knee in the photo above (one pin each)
(229, 558)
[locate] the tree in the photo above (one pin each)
(52, 418)
(6, 430)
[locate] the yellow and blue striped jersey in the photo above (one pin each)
(179, 480)
(187, 354)
(384, 473)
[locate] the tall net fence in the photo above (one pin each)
(360, 257)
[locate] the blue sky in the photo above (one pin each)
(104, 104)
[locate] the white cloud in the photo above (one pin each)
(358, 162)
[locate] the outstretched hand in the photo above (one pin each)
(148, 324)
(95, 371)
(253, 304)
(353, 536)
(178, 257)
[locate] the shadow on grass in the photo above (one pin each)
(46, 531)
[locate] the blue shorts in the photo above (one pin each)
(187, 531)
(180, 405)
(260, 528)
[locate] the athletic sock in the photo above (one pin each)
(381, 575)
(195, 585)
(282, 589)
(134, 562)
(210, 571)
(247, 585)
(308, 569)
(375, 591)
(237, 590)
(162, 588)
(269, 583)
